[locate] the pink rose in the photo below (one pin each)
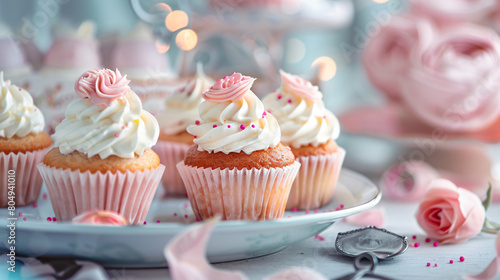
(102, 86)
(387, 56)
(408, 181)
(452, 12)
(97, 217)
(450, 214)
(231, 88)
(455, 83)
(300, 87)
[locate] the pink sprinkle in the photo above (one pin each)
(54, 219)
(451, 261)
(294, 210)
(412, 244)
(157, 221)
(341, 206)
(185, 205)
(414, 237)
(253, 125)
(435, 264)
(316, 210)
(279, 96)
(338, 208)
(175, 214)
(44, 195)
(275, 91)
(265, 113)
(185, 216)
(319, 237)
(427, 240)
(417, 244)
(214, 126)
(269, 111)
(49, 219)
(197, 122)
(35, 110)
(428, 264)
(290, 101)
(24, 219)
(116, 134)
(462, 258)
(228, 126)
(307, 211)
(144, 222)
(197, 219)
(20, 214)
(123, 127)
(242, 126)
(19, 89)
(35, 205)
(324, 117)
(435, 244)
(195, 136)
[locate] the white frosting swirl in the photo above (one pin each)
(18, 115)
(302, 121)
(122, 129)
(181, 108)
(235, 126)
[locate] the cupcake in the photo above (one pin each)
(310, 130)
(237, 167)
(181, 110)
(102, 158)
(22, 146)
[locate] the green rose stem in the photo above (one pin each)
(489, 226)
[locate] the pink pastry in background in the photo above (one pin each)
(136, 55)
(388, 55)
(408, 180)
(447, 13)
(97, 217)
(73, 51)
(454, 84)
(450, 214)
(12, 59)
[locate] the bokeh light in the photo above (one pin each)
(327, 67)
(162, 47)
(296, 51)
(380, 1)
(186, 40)
(176, 20)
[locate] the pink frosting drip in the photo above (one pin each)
(97, 217)
(102, 86)
(300, 87)
(231, 88)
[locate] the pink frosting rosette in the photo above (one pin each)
(387, 56)
(455, 83)
(450, 214)
(102, 86)
(300, 87)
(97, 217)
(230, 88)
(452, 12)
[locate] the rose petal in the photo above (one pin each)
(489, 272)
(373, 217)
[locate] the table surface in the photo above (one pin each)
(321, 256)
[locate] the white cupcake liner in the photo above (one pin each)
(316, 180)
(170, 154)
(255, 194)
(27, 180)
(74, 192)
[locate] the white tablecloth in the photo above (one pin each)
(322, 256)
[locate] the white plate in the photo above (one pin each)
(142, 246)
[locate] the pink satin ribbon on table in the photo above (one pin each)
(491, 271)
(230, 88)
(186, 259)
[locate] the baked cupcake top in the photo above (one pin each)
(181, 108)
(107, 119)
(18, 115)
(233, 119)
(302, 116)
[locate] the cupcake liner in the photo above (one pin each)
(27, 180)
(170, 154)
(73, 192)
(316, 180)
(246, 194)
